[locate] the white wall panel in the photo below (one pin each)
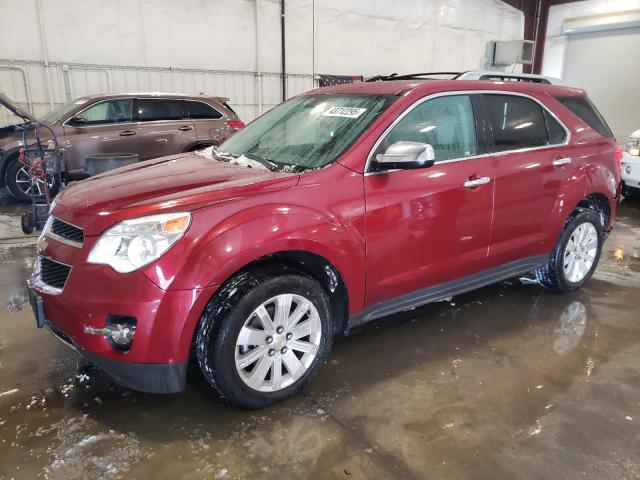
(209, 46)
(556, 43)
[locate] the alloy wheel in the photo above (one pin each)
(278, 342)
(580, 252)
(23, 182)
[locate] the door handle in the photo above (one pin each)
(561, 161)
(185, 128)
(476, 182)
(127, 133)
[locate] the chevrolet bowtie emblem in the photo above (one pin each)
(42, 244)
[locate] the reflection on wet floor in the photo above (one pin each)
(505, 382)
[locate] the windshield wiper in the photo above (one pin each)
(271, 165)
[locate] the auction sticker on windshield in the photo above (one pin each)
(347, 112)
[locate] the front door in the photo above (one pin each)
(430, 225)
(104, 127)
(164, 127)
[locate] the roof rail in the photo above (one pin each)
(469, 75)
(505, 77)
(412, 76)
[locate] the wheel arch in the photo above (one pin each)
(310, 263)
(7, 157)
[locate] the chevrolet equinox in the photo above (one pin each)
(340, 206)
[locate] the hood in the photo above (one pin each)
(178, 182)
(7, 102)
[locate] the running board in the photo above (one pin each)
(447, 289)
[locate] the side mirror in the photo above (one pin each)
(76, 121)
(405, 155)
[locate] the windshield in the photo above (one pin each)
(62, 111)
(306, 132)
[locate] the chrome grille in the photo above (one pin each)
(67, 231)
(52, 273)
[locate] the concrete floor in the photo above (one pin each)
(504, 382)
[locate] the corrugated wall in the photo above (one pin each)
(209, 46)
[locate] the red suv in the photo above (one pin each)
(340, 206)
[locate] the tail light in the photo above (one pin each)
(235, 124)
(619, 152)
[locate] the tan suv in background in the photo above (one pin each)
(148, 124)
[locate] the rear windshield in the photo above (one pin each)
(588, 113)
(307, 132)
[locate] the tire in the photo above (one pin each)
(226, 365)
(630, 192)
(554, 276)
(15, 176)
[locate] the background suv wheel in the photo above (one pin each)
(264, 336)
(19, 184)
(576, 255)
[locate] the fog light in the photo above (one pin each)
(627, 169)
(119, 331)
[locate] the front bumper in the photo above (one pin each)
(143, 377)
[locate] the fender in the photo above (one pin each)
(588, 179)
(253, 233)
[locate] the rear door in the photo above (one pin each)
(163, 127)
(528, 144)
(104, 127)
(430, 225)
(209, 122)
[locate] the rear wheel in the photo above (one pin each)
(264, 337)
(576, 255)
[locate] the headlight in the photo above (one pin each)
(633, 146)
(134, 243)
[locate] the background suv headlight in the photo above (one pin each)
(633, 146)
(135, 243)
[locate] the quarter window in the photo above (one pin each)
(110, 111)
(555, 131)
(201, 110)
(516, 122)
(445, 123)
(150, 110)
(587, 112)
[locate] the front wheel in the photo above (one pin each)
(19, 182)
(630, 192)
(264, 337)
(576, 255)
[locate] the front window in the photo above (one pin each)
(109, 111)
(446, 123)
(306, 132)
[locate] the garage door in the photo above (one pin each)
(607, 65)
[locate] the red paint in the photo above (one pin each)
(386, 234)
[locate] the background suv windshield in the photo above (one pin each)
(309, 131)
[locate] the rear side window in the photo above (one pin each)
(587, 112)
(150, 110)
(516, 122)
(200, 110)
